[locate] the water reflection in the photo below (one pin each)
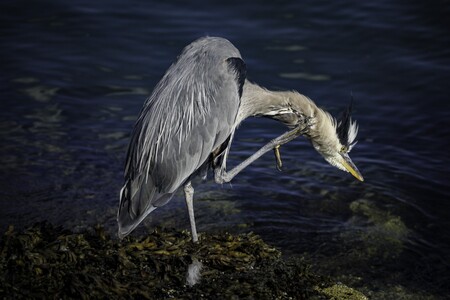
(41, 93)
(306, 76)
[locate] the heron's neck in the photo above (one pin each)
(288, 107)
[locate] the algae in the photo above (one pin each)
(371, 256)
(386, 234)
(340, 291)
(44, 261)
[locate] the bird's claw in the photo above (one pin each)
(276, 151)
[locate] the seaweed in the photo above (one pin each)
(46, 261)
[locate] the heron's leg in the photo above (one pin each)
(189, 194)
(222, 176)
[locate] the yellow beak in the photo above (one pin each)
(350, 166)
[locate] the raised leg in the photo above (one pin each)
(189, 195)
(222, 176)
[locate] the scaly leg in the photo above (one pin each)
(189, 195)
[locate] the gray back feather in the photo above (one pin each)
(190, 113)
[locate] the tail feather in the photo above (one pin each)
(137, 200)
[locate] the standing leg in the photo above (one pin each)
(193, 273)
(189, 194)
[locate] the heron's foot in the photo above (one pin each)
(301, 129)
(276, 151)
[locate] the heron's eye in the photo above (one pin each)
(344, 149)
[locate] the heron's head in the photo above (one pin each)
(334, 139)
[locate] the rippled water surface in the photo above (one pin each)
(75, 75)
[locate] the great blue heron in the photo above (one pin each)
(187, 126)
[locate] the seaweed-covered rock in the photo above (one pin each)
(340, 291)
(44, 261)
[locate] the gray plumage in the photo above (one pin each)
(179, 126)
(187, 125)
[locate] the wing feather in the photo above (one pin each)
(190, 113)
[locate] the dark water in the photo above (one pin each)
(74, 76)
